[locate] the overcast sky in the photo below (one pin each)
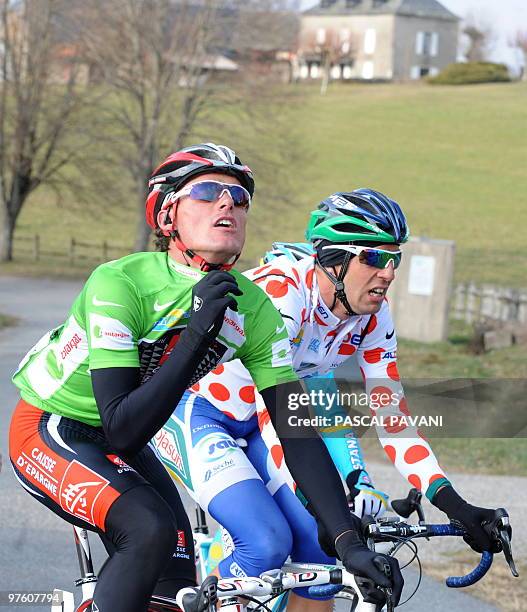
(503, 17)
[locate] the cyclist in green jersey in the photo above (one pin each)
(96, 389)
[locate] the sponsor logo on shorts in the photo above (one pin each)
(236, 570)
(215, 469)
(122, 466)
(181, 539)
(79, 490)
(167, 444)
(215, 446)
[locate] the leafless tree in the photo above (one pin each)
(40, 94)
(163, 65)
(479, 37)
(331, 49)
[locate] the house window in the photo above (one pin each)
(321, 36)
(336, 72)
(367, 70)
(424, 71)
(427, 43)
(434, 71)
(346, 71)
(370, 38)
(415, 72)
(304, 71)
(314, 70)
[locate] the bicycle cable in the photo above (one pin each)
(414, 548)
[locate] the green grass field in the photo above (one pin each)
(454, 157)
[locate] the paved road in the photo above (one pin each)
(36, 548)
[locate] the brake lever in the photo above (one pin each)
(502, 531)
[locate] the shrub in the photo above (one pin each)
(471, 72)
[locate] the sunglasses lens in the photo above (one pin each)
(379, 259)
(210, 191)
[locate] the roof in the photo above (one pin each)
(412, 8)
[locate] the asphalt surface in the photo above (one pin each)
(36, 547)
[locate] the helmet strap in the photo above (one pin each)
(338, 282)
(203, 264)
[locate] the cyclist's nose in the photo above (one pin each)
(225, 200)
(388, 273)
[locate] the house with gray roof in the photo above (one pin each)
(396, 40)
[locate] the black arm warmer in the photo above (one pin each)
(131, 413)
(309, 462)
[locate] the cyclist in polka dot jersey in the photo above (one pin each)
(355, 237)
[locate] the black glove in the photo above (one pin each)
(471, 518)
(358, 559)
(210, 300)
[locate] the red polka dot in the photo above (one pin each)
(395, 425)
(381, 396)
(219, 370)
(309, 278)
(346, 349)
(195, 387)
(277, 454)
(229, 414)
(416, 453)
(247, 394)
(392, 372)
(263, 419)
(403, 406)
(391, 452)
(297, 276)
(434, 478)
(219, 392)
(414, 480)
(260, 270)
(373, 355)
(277, 288)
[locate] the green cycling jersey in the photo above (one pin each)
(131, 313)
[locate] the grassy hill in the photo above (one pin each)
(454, 157)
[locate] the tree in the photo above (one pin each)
(479, 38)
(330, 47)
(520, 42)
(160, 61)
(36, 111)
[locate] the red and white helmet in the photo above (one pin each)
(180, 167)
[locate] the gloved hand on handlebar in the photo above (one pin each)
(210, 300)
(358, 559)
(363, 497)
(471, 518)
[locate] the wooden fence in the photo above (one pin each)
(473, 303)
(78, 252)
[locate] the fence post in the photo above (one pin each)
(470, 305)
(459, 301)
(72, 251)
(36, 247)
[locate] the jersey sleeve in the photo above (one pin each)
(112, 310)
(267, 352)
(403, 444)
(341, 442)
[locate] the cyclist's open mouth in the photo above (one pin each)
(378, 292)
(227, 223)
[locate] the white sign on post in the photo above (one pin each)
(421, 275)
